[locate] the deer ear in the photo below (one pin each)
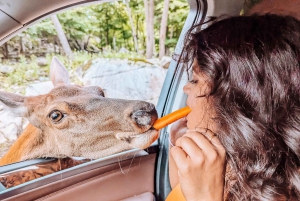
(14, 103)
(58, 72)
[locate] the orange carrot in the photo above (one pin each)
(170, 118)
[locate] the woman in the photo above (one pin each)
(243, 137)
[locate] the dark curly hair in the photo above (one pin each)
(252, 63)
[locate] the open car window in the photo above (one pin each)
(104, 54)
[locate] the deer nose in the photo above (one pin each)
(145, 116)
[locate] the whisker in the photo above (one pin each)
(131, 161)
(120, 165)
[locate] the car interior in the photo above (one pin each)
(130, 175)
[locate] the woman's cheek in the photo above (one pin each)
(192, 120)
(192, 117)
(200, 115)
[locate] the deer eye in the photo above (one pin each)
(56, 116)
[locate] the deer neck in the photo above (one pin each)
(27, 146)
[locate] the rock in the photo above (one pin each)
(29, 74)
(25, 123)
(41, 61)
(2, 138)
(126, 80)
(6, 69)
(42, 79)
(10, 132)
(165, 62)
(39, 88)
(123, 50)
(10, 124)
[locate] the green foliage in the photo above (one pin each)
(23, 72)
(27, 71)
(45, 28)
(107, 26)
(104, 26)
(178, 11)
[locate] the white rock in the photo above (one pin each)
(2, 138)
(10, 124)
(25, 122)
(126, 80)
(6, 117)
(6, 69)
(165, 61)
(10, 132)
(39, 88)
(123, 50)
(42, 61)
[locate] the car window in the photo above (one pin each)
(106, 46)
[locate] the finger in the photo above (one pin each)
(182, 160)
(179, 156)
(177, 130)
(209, 153)
(183, 120)
(179, 124)
(201, 141)
(190, 148)
(212, 138)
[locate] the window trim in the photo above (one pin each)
(63, 5)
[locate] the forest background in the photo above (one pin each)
(110, 27)
(121, 29)
(131, 29)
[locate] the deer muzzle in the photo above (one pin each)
(145, 116)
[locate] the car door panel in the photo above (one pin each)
(116, 181)
(114, 178)
(135, 178)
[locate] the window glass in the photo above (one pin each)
(106, 45)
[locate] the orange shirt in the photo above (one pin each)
(176, 194)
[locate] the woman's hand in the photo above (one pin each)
(200, 159)
(178, 129)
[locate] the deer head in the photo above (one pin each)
(73, 120)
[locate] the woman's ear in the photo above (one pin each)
(58, 72)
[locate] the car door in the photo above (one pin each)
(130, 175)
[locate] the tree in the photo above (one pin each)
(62, 37)
(134, 36)
(149, 20)
(163, 29)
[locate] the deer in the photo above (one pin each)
(77, 121)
